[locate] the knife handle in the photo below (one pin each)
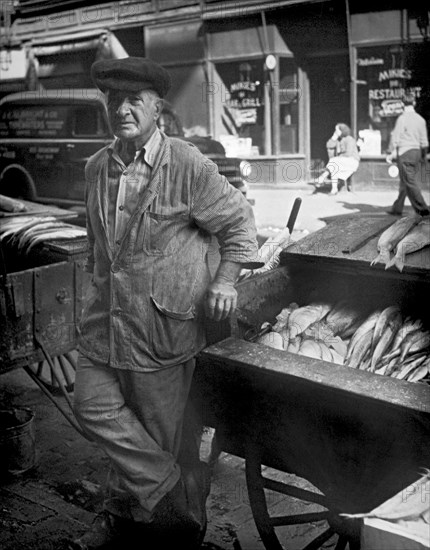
(293, 215)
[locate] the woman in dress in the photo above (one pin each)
(343, 157)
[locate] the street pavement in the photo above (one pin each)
(60, 496)
(273, 205)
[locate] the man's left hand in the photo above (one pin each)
(221, 300)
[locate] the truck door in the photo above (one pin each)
(89, 133)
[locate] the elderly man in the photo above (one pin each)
(152, 205)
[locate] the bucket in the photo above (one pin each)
(17, 441)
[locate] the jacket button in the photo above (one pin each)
(115, 268)
(121, 207)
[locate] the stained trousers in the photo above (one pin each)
(409, 164)
(137, 419)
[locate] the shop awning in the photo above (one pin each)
(72, 42)
(236, 9)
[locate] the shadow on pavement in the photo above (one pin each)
(365, 209)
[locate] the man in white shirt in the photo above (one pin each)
(410, 145)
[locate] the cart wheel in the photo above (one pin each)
(257, 483)
(65, 368)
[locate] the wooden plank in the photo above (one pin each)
(358, 242)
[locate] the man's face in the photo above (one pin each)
(133, 115)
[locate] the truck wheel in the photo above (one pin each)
(17, 183)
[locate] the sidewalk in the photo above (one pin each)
(273, 205)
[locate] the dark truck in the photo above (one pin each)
(47, 136)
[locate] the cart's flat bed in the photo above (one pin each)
(351, 242)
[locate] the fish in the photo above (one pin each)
(28, 235)
(392, 367)
(294, 344)
(382, 322)
(365, 364)
(336, 357)
(418, 374)
(360, 349)
(8, 204)
(417, 238)
(302, 317)
(391, 236)
(319, 331)
(389, 331)
(16, 226)
(381, 370)
(402, 373)
(345, 317)
(367, 325)
(338, 345)
(414, 342)
(408, 326)
(310, 348)
(326, 354)
(55, 235)
(283, 316)
(272, 340)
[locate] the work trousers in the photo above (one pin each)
(137, 419)
(409, 164)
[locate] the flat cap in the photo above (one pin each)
(130, 74)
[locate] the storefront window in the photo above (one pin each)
(243, 108)
(384, 75)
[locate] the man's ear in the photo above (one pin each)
(159, 104)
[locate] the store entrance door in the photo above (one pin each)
(329, 101)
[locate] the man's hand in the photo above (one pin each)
(221, 296)
(221, 300)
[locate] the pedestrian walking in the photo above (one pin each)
(410, 146)
(152, 203)
(343, 155)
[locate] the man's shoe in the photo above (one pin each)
(180, 516)
(106, 533)
(393, 213)
(424, 213)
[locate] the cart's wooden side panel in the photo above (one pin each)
(41, 304)
(356, 441)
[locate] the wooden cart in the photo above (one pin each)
(358, 437)
(40, 305)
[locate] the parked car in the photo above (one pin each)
(46, 137)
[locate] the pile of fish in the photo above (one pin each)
(25, 232)
(383, 342)
(405, 236)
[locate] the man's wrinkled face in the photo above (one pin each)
(133, 115)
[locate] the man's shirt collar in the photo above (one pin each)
(150, 149)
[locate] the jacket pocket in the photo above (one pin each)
(162, 233)
(173, 332)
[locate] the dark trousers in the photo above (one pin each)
(409, 164)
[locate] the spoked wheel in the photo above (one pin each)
(61, 372)
(257, 484)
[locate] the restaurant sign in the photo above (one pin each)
(387, 81)
(243, 100)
